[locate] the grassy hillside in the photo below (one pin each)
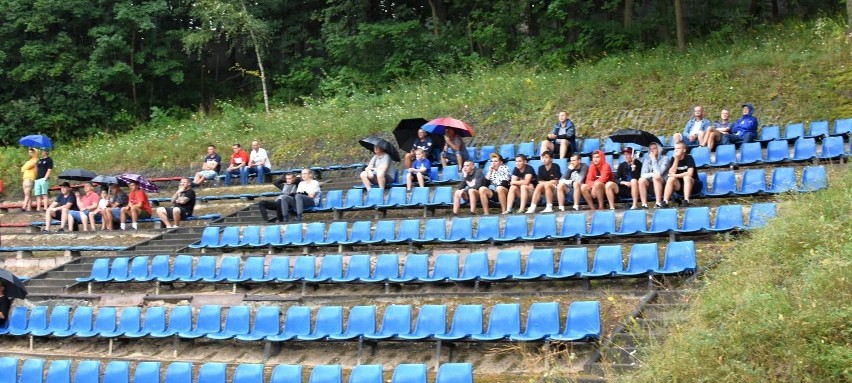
(791, 72)
(777, 309)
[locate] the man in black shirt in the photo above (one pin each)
(183, 203)
(627, 178)
(65, 202)
(522, 184)
(682, 175)
(548, 179)
(44, 167)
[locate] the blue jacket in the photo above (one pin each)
(705, 123)
(746, 124)
(569, 130)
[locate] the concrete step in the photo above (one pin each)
(84, 266)
(49, 282)
(44, 290)
(63, 274)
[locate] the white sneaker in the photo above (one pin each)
(507, 212)
(576, 207)
(562, 208)
(548, 209)
(531, 209)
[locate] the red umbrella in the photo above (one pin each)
(440, 125)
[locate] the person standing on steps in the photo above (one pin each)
(28, 174)
(44, 167)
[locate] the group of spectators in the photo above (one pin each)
(242, 164)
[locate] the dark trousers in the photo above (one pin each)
(297, 203)
(276, 205)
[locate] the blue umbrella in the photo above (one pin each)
(36, 141)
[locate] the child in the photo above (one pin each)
(419, 170)
(103, 208)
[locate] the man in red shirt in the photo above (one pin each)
(238, 166)
(137, 207)
(599, 175)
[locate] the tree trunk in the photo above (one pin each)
(849, 15)
(257, 49)
(133, 68)
(628, 14)
(435, 22)
(681, 38)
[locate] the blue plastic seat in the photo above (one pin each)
(431, 321)
(506, 266)
(475, 267)
(209, 321)
(701, 155)
(37, 321)
(119, 270)
(361, 321)
(527, 149)
(783, 180)
(205, 267)
(504, 321)
(832, 148)
(360, 233)
(409, 230)
(333, 199)
(813, 178)
(230, 238)
(507, 151)
(485, 152)
(724, 184)
(777, 151)
(644, 259)
(271, 236)
(248, 373)
(210, 236)
(573, 263)
(292, 235)
(759, 214)
(396, 197)
(542, 322)
(804, 150)
(409, 373)
(80, 322)
(88, 371)
(728, 217)
(212, 373)
(253, 271)
(147, 372)
(750, 153)
(435, 230)
(590, 145)
(679, 258)
(754, 182)
(603, 224)
(367, 373)
(607, 262)
(450, 174)
(442, 196)
(611, 147)
(385, 232)
(354, 198)
(314, 235)
(60, 318)
(387, 267)
(467, 321)
(60, 372)
(326, 374)
(539, 263)
(304, 267)
(769, 133)
(18, 320)
(664, 221)
(396, 320)
(279, 269)
(117, 372)
(817, 129)
(516, 227)
(236, 323)
(419, 197)
(130, 321)
(446, 268)
(297, 322)
(357, 268)
(460, 230)
(487, 228)
(251, 237)
(416, 268)
(331, 266)
(228, 270)
(8, 369)
(267, 322)
(329, 321)
(633, 222)
(32, 371)
(583, 322)
(793, 132)
(160, 268)
(455, 373)
(544, 227)
(725, 155)
(153, 321)
(286, 373)
(99, 272)
(375, 197)
(573, 226)
(842, 127)
(695, 220)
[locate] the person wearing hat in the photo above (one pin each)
(744, 129)
(495, 184)
(65, 202)
(627, 179)
(44, 167)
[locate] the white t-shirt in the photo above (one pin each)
(259, 156)
(696, 127)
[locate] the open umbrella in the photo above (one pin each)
(77, 175)
(406, 133)
(441, 124)
(36, 141)
(634, 136)
(14, 287)
(143, 182)
(109, 180)
(372, 141)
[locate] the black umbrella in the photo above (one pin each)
(14, 287)
(372, 141)
(109, 180)
(77, 175)
(635, 136)
(406, 133)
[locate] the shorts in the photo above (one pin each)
(208, 174)
(171, 215)
(451, 156)
(40, 187)
(425, 177)
(78, 215)
(690, 142)
(28, 186)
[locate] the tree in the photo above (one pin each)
(681, 39)
(628, 14)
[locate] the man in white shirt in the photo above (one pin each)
(258, 162)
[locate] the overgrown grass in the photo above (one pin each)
(792, 72)
(777, 309)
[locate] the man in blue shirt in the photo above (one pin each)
(65, 202)
(210, 166)
(694, 130)
(744, 129)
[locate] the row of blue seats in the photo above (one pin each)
(516, 228)
(783, 180)
(777, 152)
(539, 264)
(542, 323)
(204, 217)
(89, 371)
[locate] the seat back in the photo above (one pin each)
(507, 265)
(818, 128)
(573, 224)
(507, 151)
(539, 263)
(783, 179)
(409, 230)
(326, 374)
(248, 373)
(516, 227)
(729, 217)
(843, 126)
(119, 269)
(504, 320)
(760, 213)
(461, 229)
(230, 236)
(88, 371)
(804, 149)
(354, 197)
(644, 258)
(696, 218)
(455, 373)
(178, 372)
(361, 321)
(450, 173)
(467, 320)
(267, 321)
(315, 233)
(607, 260)
(210, 236)
(32, 371)
(679, 258)
(431, 321)
(584, 320)
(205, 267)
(329, 321)
(487, 228)
(60, 372)
(286, 373)
(724, 183)
(409, 373)
(292, 234)
(396, 320)
(211, 373)
(574, 261)
(333, 199)
(154, 319)
(419, 196)
(387, 266)
(147, 372)
(832, 147)
(814, 178)
(446, 267)
(385, 230)
(542, 320)
(279, 268)
(751, 152)
(475, 265)
(304, 267)
(725, 155)
(794, 131)
(331, 267)
(237, 320)
(118, 372)
(701, 155)
(754, 181)
(544, 225)
(229, 268)
(396, 196)
(297, 321)
(253, 269)
(271, 234)
(209, 319)
(634, 221)
(416, 266)
(375, 197)
(358, 267)
(777, 151)
(435, 229)
(664, 220)
(366, 373)
(180, 319)
(251, 236)
(769, 133)
(443, 195)
(603, 222)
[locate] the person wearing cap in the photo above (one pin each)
(744, 129)
(562, 139)
(571, 182)
(694, 131)
(522, 184)
(719, 130)
(44, 167)
(468, 187)
(28, 174)
(548, 180)
(627, 179)
(65, 202)
(87, 202)
(599, 175)
(655, 169)
(497, 177)
(137, 207)
(682, 176)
